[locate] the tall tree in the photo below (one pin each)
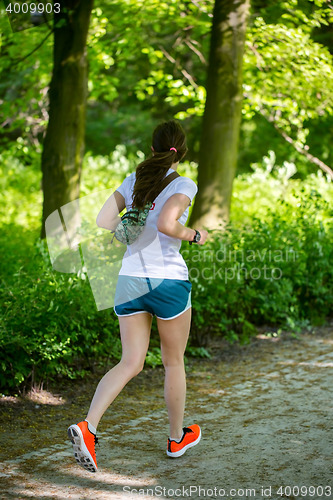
(64, 141)
(222, 116)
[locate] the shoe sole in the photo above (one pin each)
(181, 452)
(81, 452)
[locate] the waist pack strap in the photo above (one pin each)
(130, 216)
(169, 178)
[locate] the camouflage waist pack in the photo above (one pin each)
(133, 222)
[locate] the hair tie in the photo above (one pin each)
(173, 149)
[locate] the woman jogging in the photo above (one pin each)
(153, 281)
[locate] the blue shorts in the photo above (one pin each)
(163, 298)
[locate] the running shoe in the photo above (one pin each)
(191, 437)
(83, 441)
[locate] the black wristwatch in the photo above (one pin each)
(197, 237)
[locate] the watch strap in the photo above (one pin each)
(194, 237)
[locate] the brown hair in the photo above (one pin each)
(151, 172)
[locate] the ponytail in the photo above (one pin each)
(169, 146)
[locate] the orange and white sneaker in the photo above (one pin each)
(191, 437)
(83, 441)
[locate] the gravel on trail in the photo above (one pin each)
(265, 409)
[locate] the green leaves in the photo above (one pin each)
(271, 265)
(288, 77)
(148, 59)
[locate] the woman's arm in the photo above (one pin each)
(168, 222)
(108, 216)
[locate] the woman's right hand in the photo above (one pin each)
(204, 235)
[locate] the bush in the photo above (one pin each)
(256, 193)
(275, 271)
(50, 325)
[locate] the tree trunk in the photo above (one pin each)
(64, 141)
(222, 117)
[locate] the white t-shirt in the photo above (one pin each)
(154, 254)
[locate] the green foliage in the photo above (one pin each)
(297, 67)
(49, 325)
(271, 264)
(284, 75)
(20, 195)
(106, 172)
(154, 357)
(148, 62)
(269, 182)
(24, 81)
(146, 65)
(285, 70)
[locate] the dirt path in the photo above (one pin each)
(266, 412)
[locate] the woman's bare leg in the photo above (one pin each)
(135, 334)
(174, 335)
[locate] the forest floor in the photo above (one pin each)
(265, 409)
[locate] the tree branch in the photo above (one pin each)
(196, 51)
(256, 53)
(15, 63)
(183, 71)
(302, 150)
